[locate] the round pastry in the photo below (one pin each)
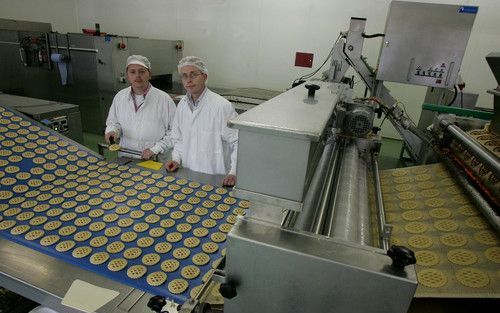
(190, 272)
(128, 236)
(200, 232)
(181, 253)
(193, 219)
(471, 277)
(150, 259)
(66, 245)
(462, 257)
(178, 286)
(167, 223)
(163, 247)
(98, 241)
(454, 240)
(114, 147)
(81, 252)
(115, 247)
(132, 253)
(426, 258)
(210, 247)
(145, 242)
(174, 237)
(200, 259)
(156, 278)
(116, 265)
(432, 278)
(99, 258)
(170, 265)
(136, 271)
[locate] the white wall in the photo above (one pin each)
(252, 43)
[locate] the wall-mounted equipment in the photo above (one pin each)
(82, 69)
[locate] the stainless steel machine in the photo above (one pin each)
(318, 234)
(245, 99)
(311, 238)
(80, 69)
(61, 117)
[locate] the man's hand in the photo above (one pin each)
(171, 166)
(229, 181)
(147, 154)
(111, 136)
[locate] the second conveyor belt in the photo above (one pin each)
(457, 251)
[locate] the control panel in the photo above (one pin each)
(434, 74)
(58, 123)
(431, 72)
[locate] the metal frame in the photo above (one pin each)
(281, 270)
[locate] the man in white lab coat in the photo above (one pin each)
(141, 115)
(202, 140)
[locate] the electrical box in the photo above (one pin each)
(424, 43)
(304, 59)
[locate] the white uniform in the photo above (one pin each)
(202, 140)
(149, 127)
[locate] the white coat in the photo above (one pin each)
(149, 127)
(202, 140)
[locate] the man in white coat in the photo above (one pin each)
(141, 115)
(202, 140)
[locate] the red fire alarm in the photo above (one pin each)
(304, 59)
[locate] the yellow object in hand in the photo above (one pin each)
(114, 147)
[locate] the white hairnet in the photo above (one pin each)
(140, 60)
(193, 61)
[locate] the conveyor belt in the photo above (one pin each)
(458, 253)
(487, 139)
(148, 230)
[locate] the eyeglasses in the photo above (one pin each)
(191, 75)
(140, 71)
